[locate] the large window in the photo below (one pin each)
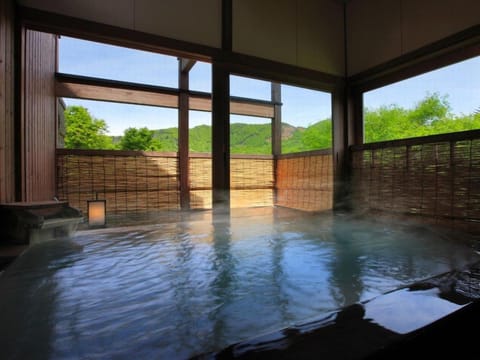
(115, 126)
(303, 117)
(442, 101)
(88, 58)
(306, 119)
(138, 111)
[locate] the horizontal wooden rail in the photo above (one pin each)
(83, 87)
(457, 136)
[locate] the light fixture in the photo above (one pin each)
(96, 212)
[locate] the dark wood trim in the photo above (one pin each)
(457, 136)
(183, 133)
(455, 48)
(304, 153)
(246, 65)
(220, 138)
(89, 152)
(355, 117)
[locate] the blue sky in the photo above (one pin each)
(301, 107)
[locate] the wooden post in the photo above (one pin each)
(347, 118)
(276, 132)
(184, 66)
(220, 138)
(277, 119)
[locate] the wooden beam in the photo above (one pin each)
(124, 92)
(238, 106)
(98, 92)
(186, 65)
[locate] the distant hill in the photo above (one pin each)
(248, 138)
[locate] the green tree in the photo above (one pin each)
(432, 115)
(430, 109)
(139, 139)
(83, 131)
(388, 123)
(318, 135)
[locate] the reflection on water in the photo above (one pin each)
(178, 289)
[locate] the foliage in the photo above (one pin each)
(139, 139)
(318, 135)
(168, 138)
(83, 131)
(431, 115)
(250, 138)
(200, 139)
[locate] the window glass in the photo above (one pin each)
(442, 101)
(306, 119)
(93, 59)
(106, 125)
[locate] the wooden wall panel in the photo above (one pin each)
(373, 33)
(305, 33)
(7, 165)
(266, 29)
(197, 22)
(320, 36)
(38, 117)
(98, 11)
(382, 30)
(429, 20)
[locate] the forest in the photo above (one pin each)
(431, 115)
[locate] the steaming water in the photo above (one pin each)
(175, 290)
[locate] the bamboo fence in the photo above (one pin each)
(436, 178)
(305, 181)
(142, 182)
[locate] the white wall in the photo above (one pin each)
(381, 30)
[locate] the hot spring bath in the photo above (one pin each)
(179, 289)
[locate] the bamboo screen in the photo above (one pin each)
(305, 181)
(143, 182)
(200, 182)
(129, 181)
(437, 178)
(251, 181)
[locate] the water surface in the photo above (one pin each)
(174, 290)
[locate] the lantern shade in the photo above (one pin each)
(96, 212)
